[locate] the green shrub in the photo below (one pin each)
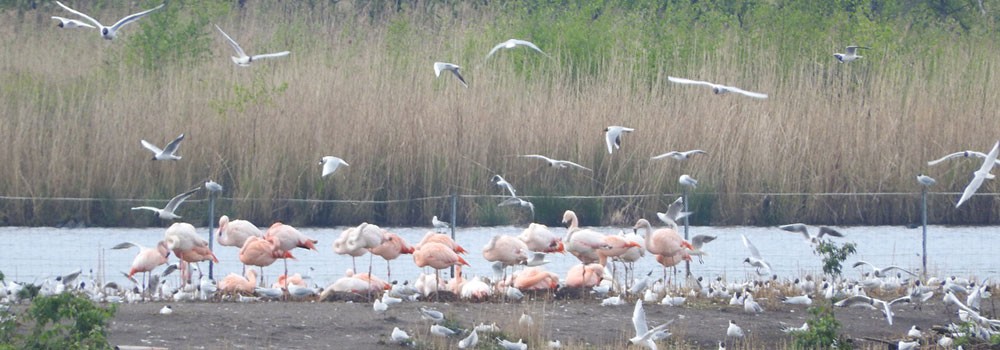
(64, 321)
(178, 34)
(822, 332)
(833, 255)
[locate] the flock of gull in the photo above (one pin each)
(518, 261)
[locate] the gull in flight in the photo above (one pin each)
(167, 153)
(861, 300)
(555, 163)
(331, 164)
(801, 228)
(674, 213)
(687, 181)
(851, 55)
(679, 155)
(613, 136)
(71, 23)
(881, 272)
(980, 175)
(643, 334)
(926, 180)
(499, 181)
(244, 60)
(512, 43)
(440, 66)
(520, 202)
(111, 32)
(697, 242)
(718, 89)
(962, 154)
(167, 213)
(754, 259)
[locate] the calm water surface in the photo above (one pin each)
(29, 254)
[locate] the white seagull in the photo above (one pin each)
(508, 345)
(613, 136)
(674, 213)
(980, 175)
(962, 154)
(851, 55)
(331, 164)
(470, 341)
(499, 181)
(399, 336)
(643, 334)
(801, 228)
(717, 88)
(111, 32)
(519, 202)
(167, 213)
(881, 272)
(438, 224)
(754, 259)
(71, 23)
(537, 259)
(687, 181)
(926, 180)
(167, 153)
(915, 332)
(556, 163)
(697, 242)
(213, 186)
(861, 300)
(512, 43)
(804, 299)
(440, 66)
(166, 310)
(734, 330)
(442, 331)
(680, 155)
(244, 60)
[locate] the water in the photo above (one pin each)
(31, 254)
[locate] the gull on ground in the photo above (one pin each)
(399, 336)
(111, 32)
(525, 320)
(915, 332)
(512, 43)
(687, 181)
(613, 136)
(556, 163)
(431, 315)
(470, 341)
(499, 181)
(331, 164)
(167, 153)
(166, 310)
(814, 239)
(851, 55)
(734, 331)
(926, 180)
(167, 213)
(718, 89)
(438, 224)
(881, 272)
(804, 299)
(980, 175)
(508, 345)
(612, 301)
(643, 334)
(755, 259)
(453, 68)
(244, 60)
(679, 155)
(442, 331)
(70, 23)
(788, 329)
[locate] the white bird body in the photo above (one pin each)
(330, 164)
(451, 67)
(167, 212)
(675, 212)
(751, 306)
(679, 155)
(980, 175)
(803, 328)
(508, 345)
(431, 315)
(612, 301)
(71, 23)
(915, 332)
(805, 299)
(380, 307)
(442, 331)
(499, 181)
(687, 181)
(734, 331)
(515, 201)
(470, 341)
(487, 328)
(438, 224)
(882, 272)
(244, 60)
(962, 154)
(643, 334)
(526, 320)
(556, 163)
(512, 43)
(755, 259)
(718, 89)
(851, 55)
(167, 153)
(926, 180)
(613, 137)
(399, 336)
(110, 32)
(860, 300)
(213, 186)
(166, 310)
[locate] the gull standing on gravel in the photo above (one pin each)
(962, 154)
(734, 331)
(926, 180)
(167, 213)
(168, 153)
(331, 164)
(613, 136)
(499, 181)
(431, 315)
(111, 32)
(399, 336)
(915, 332)
(508, 345)
(244, 60)
(980, 175)
(166, 310)
(804, 299)
(470, 341)
(442, 331)
(718, 89)
(687, 181)
(755, 259)
(643, 334)
(801, 228)
(453, 68)
(556, 163)
(512, 43)
(677, 155)
(851, 55)
(70, 23)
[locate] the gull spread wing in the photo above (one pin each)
(126, 245)
(668, 154)
(753, 250)
(746, 93)
(81, 14)
(823, 230)
(639, 319)
(459, 76)
(176, 201)
(233, 43)
(980, 175)
(689, 81)
(700, 240)
(131, 18)
(172, 146)
(495, 48)
(67, 20)
(539, 156)
(956, 155)
(566, 162)
(270, 55)
(797, 227)
(528, 44)
(151, 147)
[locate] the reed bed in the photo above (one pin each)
(73, 112)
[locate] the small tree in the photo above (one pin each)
(822, 332)
(834, 256)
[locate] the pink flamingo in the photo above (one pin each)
(438, 256)
(287, 238)
(233, 283)
(584, 276)
(183, 240)
(340, 247)
(391, 248)
(666, 244)
(148, 259)
(535, 278)
(435, 237)
(367, 236)
(284, 281)
(508, 250)
(583, 244)
(235, 233)
(539, 238)
(261, 252)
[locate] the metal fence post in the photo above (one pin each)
(687, 264)
(454, 212)
(923, 222)
(211, 225)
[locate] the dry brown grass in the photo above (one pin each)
(72, 117)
